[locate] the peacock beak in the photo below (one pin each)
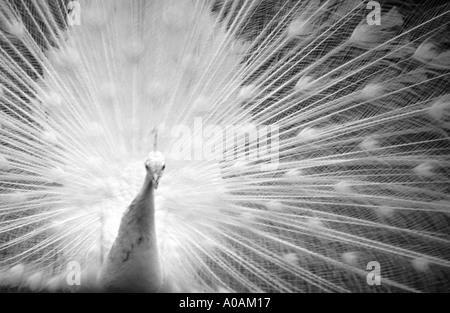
(155, 180)
(155, 183)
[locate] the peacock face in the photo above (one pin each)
(155, 166)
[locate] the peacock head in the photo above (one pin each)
(155, 166)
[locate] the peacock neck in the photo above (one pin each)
(147, 193)
(140, 216)
(141, 213)
(133, 260)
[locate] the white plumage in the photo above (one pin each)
(357, 169)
